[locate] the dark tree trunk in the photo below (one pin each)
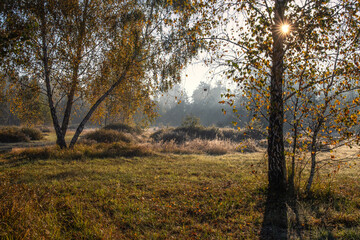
(68, 109)
(294, 147)
(313, 165)
(277, 165)
(81, 126)
(79, 52)
(59, 136)
(313, 149)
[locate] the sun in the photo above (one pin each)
(285, 28)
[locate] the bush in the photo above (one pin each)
(167, 135)
(17, 134)
(183, 134)
(254, 134)
(158, 135)
(238, 136)
(191, 121)
(35, 153)
(80, 151)
(200, 132)
(263, 143)
(32, 133)
(45, 129)
(121, 127)
(210, 133)
(177, 137)
(12, 135)
(216, 150)
(228, 133)
(107, 136)
(196, 146)
(248, 146)
(117, 149)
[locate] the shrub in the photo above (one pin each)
(177, 137)
(36, 153)
(228, 133)
(239, 136)
(191, 121)
(254, 134)
(107, 136)
(167, 135)
(248, 146)
(210, 133)
(157, 135)
(45, 129)
(191, 131)
(80, 151)
(32, 133)
(195, 146)
(263, 143)
(216, 150)
(85, 141)
(12, 135)
(17, 134)
(121, 127)
(172, 147)
(117, 149)
(182, 134)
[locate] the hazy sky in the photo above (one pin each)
(196, 72)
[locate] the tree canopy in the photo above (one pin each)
(94, 49)
(301, 79)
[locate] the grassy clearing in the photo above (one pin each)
(163, 197)
(150, 197)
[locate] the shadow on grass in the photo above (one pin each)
(282, 219)
(275, 223)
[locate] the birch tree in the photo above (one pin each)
(90, 49)
(279, 53)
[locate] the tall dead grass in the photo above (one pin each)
(198, 146)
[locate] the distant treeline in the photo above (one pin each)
(209, 103)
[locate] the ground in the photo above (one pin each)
(166, 196)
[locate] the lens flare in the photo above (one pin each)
(285, 28)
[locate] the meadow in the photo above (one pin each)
(150, 190)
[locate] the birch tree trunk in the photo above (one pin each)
(276, 155)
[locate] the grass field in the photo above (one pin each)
(164, 196)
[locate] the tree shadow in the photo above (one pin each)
(275, 223)
(282, 218)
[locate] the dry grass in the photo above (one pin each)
(159, 197)
(79, 152)
(199, 146)
(248, 146)
(165, 196)
(199, 189)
